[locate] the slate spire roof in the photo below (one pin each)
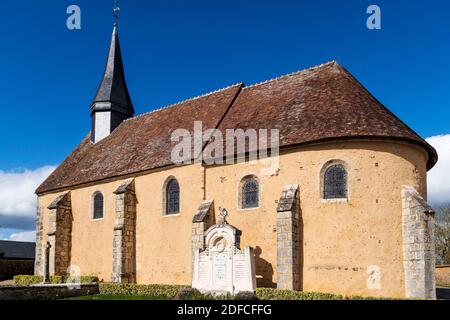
(113, 91)
(317, 105)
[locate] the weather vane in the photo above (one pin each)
(116, 11)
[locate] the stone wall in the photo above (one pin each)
(46, 292)
(288, 247)
(124, 241)
(418, 246)
(340, 241)
(60, 234)
(443, 275)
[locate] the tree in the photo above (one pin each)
(442, 235)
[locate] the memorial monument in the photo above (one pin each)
(222, 267)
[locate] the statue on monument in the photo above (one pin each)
(223, 214)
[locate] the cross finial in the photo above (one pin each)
(116, 11)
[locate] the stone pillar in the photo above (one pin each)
(124, 235)
(39, 254)
(288, 247)
(47, 264)
(202, 221)
(60, 234)
(418, 245)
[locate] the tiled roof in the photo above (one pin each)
(139, 144)
(318, 104)
(17, 250)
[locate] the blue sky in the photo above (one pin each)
(178, 49)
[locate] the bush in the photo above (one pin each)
(27, 280)
(122, 289)
(278, 294)
(33, 280)
(187, 293)
(247, 295)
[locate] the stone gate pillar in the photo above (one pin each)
(124, 235)
(418, 245)
(288, 248)
(60, 234)
(39, 254)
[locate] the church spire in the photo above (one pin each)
(112, 103)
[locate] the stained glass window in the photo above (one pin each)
(98, 206)
(335, 182)
(173, 197)
(250, 194)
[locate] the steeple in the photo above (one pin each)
(112, 103)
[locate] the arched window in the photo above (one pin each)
(172, 197)
(250, 193)
(98, 206)
(335, 182)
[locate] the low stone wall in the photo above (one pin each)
(443, 275)
(47, 292)
(11, 268)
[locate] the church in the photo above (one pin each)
(344, 211)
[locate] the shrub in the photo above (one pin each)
(189, 294)
(27, 280)
(82, 279)
(246, 295)
(122, 289)
(278, 294)
(33, 280)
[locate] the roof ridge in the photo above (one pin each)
(325, 64)
(186, 100)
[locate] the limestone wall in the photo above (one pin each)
(345, 247)
(443, 275)
(351, 247)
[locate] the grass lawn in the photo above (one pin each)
(109, 297)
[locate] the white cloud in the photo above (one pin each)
(17, 198)
(27, 236)
(439, 176)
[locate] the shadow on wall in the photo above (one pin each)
(264, 271)
(300, 248)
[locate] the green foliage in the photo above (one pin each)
(27, 280)
(186, 293)
(155, 290)
(278, 294)
(33, 280)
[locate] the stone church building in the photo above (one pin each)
(345, 212)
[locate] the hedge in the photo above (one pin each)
(155, 290)
(171, 291)
(23, 280)
(279, 294)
